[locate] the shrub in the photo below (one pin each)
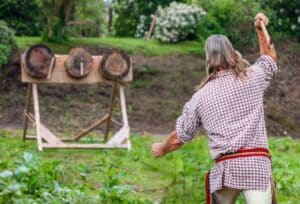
(7, 45)
(232, 18)
(134, 16)
(177, 22)
(286, 16)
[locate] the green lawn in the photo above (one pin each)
(121, 176)
(131, 45)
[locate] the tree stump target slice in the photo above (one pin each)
(115, 65)
(38, 60)
(79, 63)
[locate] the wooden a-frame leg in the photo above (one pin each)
(26, 110)
(111, 106)
(124, 115)
(123, 135)
(37, 116)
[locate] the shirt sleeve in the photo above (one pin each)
(189, 122)
(269, 67)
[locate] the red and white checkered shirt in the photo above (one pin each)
(231, 111)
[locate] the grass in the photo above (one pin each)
(176, 178)
(131, 45)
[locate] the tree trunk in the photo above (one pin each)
(110, 18)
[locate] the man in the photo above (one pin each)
(229, 105)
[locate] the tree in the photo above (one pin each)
(55, 17)
(21, 15)
(89, 17)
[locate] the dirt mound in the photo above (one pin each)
(161, 86)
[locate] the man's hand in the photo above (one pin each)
(260, 17)
(265, 44)
(172, 143)
(158, 150)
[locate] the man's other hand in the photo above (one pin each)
(158, 149)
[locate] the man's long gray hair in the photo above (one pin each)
(221, 55)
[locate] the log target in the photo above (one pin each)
(38, 60)
(79, 63)
(115, 65)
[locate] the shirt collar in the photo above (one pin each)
(224, 73)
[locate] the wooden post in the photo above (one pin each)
(111, 106)
(37, 115)
(124, 115)
(151, 27)
(28, 97)
(110, 18)
(123, 107)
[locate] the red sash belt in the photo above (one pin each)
(241, 153)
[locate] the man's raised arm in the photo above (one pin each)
(265, 44)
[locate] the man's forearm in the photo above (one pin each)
(263, 41)
(266, 48)
(172, 143)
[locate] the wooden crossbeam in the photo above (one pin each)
(85, 146)
(89, 129)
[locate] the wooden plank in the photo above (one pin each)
(30, 137)
(60, 75)
(46, 134)
(84, 146)
(37, 116)
(111, 106)
(124, 133)
(123, 106)
(33, 137)
(51, 68)
(31, 118)
(89, 129)
(27, 101)
(121, 136)
(154, 18)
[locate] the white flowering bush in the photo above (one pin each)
(177, 22)
(142, 27)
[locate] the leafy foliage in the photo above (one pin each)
(231, 18)
(286, 16)
(118, 176)
(7, 45)
(35, 181)
(177, 22)
(134, 16)
(21, 15)
(88, 18)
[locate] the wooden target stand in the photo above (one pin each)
(58, 75)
